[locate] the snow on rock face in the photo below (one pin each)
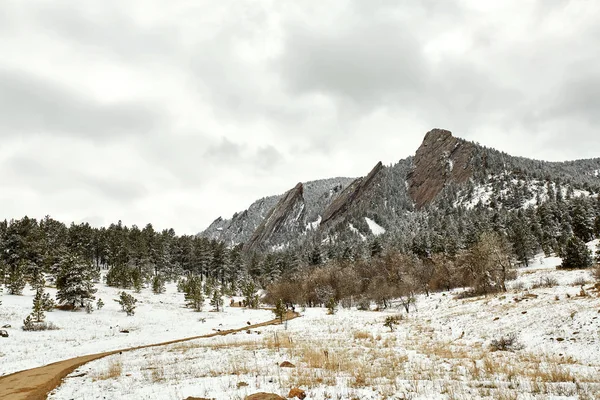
(313, 225)
(374, 227)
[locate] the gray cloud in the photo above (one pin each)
(366, 63)
(578, 98)
(32, 105)
(111, 31)
(55, 178)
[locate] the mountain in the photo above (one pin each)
(447, 175)
(273, 220)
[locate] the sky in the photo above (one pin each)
(175, 113)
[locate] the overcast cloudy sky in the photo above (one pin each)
(176, 112)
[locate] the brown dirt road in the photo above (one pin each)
(36, 383)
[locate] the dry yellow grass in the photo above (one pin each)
(114, 370)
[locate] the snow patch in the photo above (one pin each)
(374, 227)
(314, 225)
(353, 229)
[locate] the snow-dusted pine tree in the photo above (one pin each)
(74, 283)
(37, 312)
(577, 254)
(216, 301)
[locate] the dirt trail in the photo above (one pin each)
(36, 383)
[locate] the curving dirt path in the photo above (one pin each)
(36, 383)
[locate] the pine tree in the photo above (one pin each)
(74, 283)
(280, 310)
(127, 303)
(195, 299)
(15, 281)
(582, 220)
(216, 301)
(577, 254)
(37, 312)
(47, 302)
(35, 276)
(376, 248)
(158, 284)
(249, 292)
(331, 306)
(193, 293)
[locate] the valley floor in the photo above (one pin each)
(440, 350)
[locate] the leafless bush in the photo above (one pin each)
(545, 282)
(363, 304)
(506, 343)
(30, 325)
(581, 281)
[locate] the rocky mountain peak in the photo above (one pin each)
(440, 159)
(352, 195)
(287, 215)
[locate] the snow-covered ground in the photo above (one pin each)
(440, 350)
(157, 318)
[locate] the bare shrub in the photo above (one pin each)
(392, 321)
(363, 304)
(545, 282)
(30, 325)
(487, 265)
(506, 343)
(581, 281)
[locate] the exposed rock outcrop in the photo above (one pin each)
(441, 159)
(352, 195)
(296, 393)
(287, 213)
(243, 226)
(264, 396)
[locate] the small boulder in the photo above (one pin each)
(7, 326)
(287, 364)
(197, 398)
(3, 333)
(264, 396)
(297, 393)
(241, 384)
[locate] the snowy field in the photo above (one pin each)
(158, 318)
(440, 350)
